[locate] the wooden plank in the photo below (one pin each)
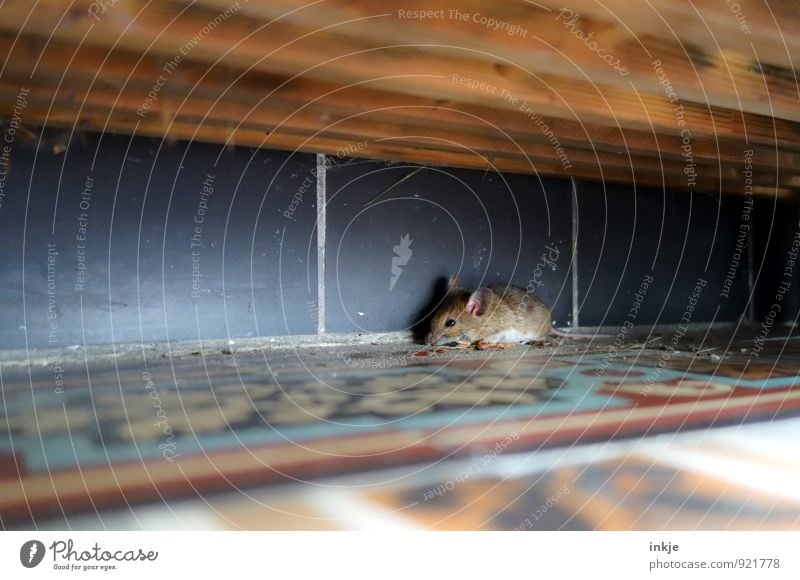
(120, 69)
(615, 115)
(389, 148)
(288, 49)
(726, 28)
(548, 40)
(506, 29)
(361, 127)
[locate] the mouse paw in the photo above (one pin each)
(483, 345)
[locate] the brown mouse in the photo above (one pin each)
(498, 314)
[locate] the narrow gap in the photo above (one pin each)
(321, 212)
(751, 309)
(575, 321)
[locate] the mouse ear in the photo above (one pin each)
(478, 301)
(452, 282)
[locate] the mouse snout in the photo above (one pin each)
(442, 340)
(438, 339)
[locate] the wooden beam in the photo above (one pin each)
(611, 131)
(358, 127)
(581, 93)
(87, 67)
(547, 39)
(421, 149)
(708, 27)
(744, 27)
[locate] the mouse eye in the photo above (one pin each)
(450, 322)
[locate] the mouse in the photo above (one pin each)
(492, 316)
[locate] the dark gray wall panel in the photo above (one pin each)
(489, 228)
(677, 238)
(777, 279)
(256, 250)
(257, 266)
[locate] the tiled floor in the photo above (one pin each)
(730, 478)
(569, 436)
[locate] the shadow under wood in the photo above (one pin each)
(425, 314)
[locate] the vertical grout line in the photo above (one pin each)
(575, 321)
(751, 309)
(321, 212)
